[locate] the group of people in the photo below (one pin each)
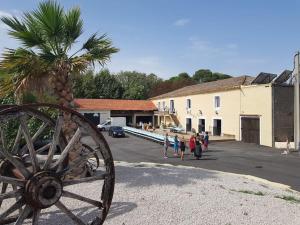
(197, 144)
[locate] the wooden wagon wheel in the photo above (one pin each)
(36, 178)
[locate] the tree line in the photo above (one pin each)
(135, 85)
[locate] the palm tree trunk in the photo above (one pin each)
(62, 86)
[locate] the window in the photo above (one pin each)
(158, 106)
(217, 102)
(164, 105)
(188, 103)
(172, 109)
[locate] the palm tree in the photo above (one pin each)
(46, 55)
(46, 58)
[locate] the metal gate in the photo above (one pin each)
(250, 129)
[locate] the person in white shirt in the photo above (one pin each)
(166, 145)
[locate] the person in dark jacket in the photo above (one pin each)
(198, 149)
(182, 147)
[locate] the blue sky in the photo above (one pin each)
(167, 37)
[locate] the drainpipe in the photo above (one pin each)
(273, 114)
(296, 102)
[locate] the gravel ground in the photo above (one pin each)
(148, 194)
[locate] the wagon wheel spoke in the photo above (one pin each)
(11, 194)
(26, 133)
(13, 208)
(55, 141)
(23, 215)
(16, 145)
(77, 163)
(49, 166)
(67, 149)
(19, 165)
(12, 181)
(36, 216)
(2, 138)
(63, 208)
(83, 199)
(35, 136)
(96, 177)
(3, 191)
(42, 149)
(14, 187)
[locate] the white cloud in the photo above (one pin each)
(181, 22)
(203, 48)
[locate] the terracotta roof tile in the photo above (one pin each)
(114, 104)
(208, 87)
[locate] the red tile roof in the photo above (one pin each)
(208, 87)
(114, 104)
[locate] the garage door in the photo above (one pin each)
(250, 129)
(93, 117)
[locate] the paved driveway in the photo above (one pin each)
(235, 157)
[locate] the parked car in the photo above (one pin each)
(116, 131)
(113, 121)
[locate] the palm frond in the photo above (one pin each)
(92, 42)
(50, 17)
(79, 64)
(99, 49)
(27, 71)
(72, 26)
(14, 23)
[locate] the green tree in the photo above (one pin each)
(88, 85)
(202, 75)
(46, 55)
(107, 86)
(176, 82)
(205, 75)
(136, 85)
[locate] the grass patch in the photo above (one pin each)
(289, 198)
(259, 193)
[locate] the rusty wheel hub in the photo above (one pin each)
(43, 190)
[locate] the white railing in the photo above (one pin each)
(148, 135)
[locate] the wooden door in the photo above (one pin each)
(250, 129)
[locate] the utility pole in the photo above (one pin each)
(296, 102)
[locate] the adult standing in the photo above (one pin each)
(182, 147)
(198, 150)
(192, 144)
(176, 145)
(166, 145)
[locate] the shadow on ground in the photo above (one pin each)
(87, 213)
(159, 175)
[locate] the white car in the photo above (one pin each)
(104, 126)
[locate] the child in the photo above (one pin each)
(206, 141)
(182, 148)
(176, 145)
(287, 151)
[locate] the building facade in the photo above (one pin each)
(99, 110)
(244, 108)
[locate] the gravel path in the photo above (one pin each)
(148, 194)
